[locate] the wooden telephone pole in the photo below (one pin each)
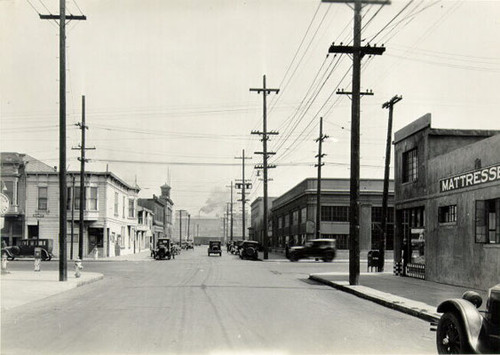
(357, 53)
(243, 186)
(389, 104)
(62, 17)
(320, 155)
(265, 154)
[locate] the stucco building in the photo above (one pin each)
(447, 200)
(294, 213)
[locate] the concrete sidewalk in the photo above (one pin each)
(416, 297)
(21, 287)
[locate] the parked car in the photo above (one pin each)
(463, 329)
(235, 247)
(214, 247)
(26, 248)
(323, 249)
(249, 249)
(163, 250)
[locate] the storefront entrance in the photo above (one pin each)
(412, 236)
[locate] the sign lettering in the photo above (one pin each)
(472, 178)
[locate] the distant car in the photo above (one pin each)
(163, 249)
(215, 247)
(26, 248)
(323, 249)
(249, 249)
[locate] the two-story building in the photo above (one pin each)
(144, 228)
(447, 201)
(109, 218)
(158, 207)
(294, 213)
(256, 230)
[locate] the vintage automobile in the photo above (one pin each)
(249, 249)
(26, 248)
(463, 329)
(235, 247)
(323, 249)
(163, 250)
(214, 247)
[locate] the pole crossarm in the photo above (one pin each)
(268, 153)
(351, 50)
(67, 17)
(343, 92)
(392, 101)
(366, 2)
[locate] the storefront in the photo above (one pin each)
(448, 205)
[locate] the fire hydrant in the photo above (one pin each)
(4, 264)
(78, 267)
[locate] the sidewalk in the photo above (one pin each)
(21, 287)
(416, 297)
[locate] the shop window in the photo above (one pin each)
(303, 215)
(447, 214)
(410, 165)
(295, 217)
(487, 221)
(42, 198)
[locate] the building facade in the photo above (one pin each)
(447, 186)
(256, 231)
(109, 218)
(294, 213)
(158, 207)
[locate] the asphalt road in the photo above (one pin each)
(218, 305)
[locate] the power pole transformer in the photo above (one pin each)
(265, 154)
(62, 17)
(320, 155)
(390, 105)
(357, 52)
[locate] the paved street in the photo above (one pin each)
(201, 304)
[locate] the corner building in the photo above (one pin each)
(447, 201)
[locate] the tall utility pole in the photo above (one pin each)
(243, 186)
(72, 214)
(231, 204)
(265, 91)
(227, 220)
(189, 225)
(82, 148)
(63, 262)
(357, 53)
(180, 228)
(389, 104)
(320, 155)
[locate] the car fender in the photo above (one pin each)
(469, 315)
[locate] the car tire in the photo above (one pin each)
(293, 258)
(328, 257)
(450, 335)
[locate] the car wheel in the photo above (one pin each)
(293, 258)
(44, 256)
(450, 337)
(328, 257)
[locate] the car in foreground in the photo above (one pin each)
(26, 248)
(323, 249)
(463, 329)
(249, 249)
(215, 247)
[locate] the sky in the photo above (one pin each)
(166, 85)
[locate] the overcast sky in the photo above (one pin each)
(167, 85)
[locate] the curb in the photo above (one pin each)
(92, 280)
(395, 305)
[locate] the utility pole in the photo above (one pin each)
(357, 53)
(243, 186)
(231, 204)
(81, 147)
(189, 225)
(72, 215)
(265, 91)
(227, 221)
(63, 262)
(180, 228)
(320, 155)
(385, 197)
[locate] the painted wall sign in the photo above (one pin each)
(471, 178)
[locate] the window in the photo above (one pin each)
(335, 213)
(42, 198)
(123, 207)
(93, 199)
(410, 168)
(8, 189)
(116, 204)
(295, 217)
(488, 221)
(140, 218)
(280, 223)
(447, 214)
(303, 215)
(131, 207)
(77, 198)
(286, 221)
